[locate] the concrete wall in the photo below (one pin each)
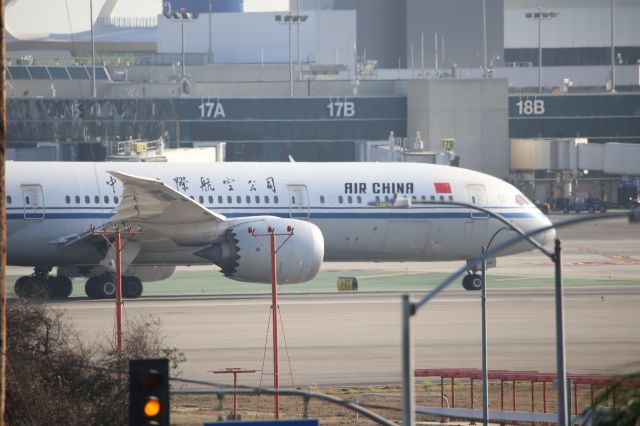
(459, 22)
(382, 26)
(473, 112)
(581, 23)
(239, 38)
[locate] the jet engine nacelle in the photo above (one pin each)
(245, 257)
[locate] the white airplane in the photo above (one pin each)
(199, 213)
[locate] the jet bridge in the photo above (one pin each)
(569, 160)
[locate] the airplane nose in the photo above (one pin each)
(548, 236)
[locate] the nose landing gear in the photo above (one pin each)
(472, 281)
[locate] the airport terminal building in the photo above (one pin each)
(342, 87)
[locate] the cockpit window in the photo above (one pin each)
(521, 200)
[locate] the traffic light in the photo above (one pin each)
(149, 392)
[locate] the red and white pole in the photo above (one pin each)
(118, 283)
(274, 309)
(271, 233)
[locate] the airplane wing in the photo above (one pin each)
(147, 200)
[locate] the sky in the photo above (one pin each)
(64, 16)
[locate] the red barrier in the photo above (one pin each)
(503, 376)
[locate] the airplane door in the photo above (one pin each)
(33, 202)
(298, 201)
(475, 228)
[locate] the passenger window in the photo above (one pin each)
(77, 199)
(26, 200)
(229, 199)
(442, 198)
(116, 199)
(257, 199)
(433, 198)
(219, 199)
(293, 200)
(340, 199)
(106, 199)
(387, 199)
(423, 198)
(275, 199)
(359, 199)
(97, 199)
(191, 196)
(67, 199)
(239, 199)
(200, 199)
(210, 199)
(248, 199)
(9, 199)
(473, 199)
(450, 198)
(266, 199)
(322, 199)
(377, 198)
(349, 199)
(87, 199)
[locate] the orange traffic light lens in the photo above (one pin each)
(152, 407)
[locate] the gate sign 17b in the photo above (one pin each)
(339, 109)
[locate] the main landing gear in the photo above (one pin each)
(472, 281)
(104, 287)
(41, 285)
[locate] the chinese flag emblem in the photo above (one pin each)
(442, 187)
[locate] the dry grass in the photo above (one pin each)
(196, 409)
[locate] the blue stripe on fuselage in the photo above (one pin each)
(358, 214)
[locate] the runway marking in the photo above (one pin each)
(614, 256)
(532, 277)
(397, 274)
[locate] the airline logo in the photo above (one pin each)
(442, 187)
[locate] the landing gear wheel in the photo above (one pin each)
(131, 287)
(472, 282)
(106, 287)
(23, 286)
(61, 286)
(91, 287)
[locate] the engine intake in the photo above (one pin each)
(243, 258)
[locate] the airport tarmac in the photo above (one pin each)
(354, 338)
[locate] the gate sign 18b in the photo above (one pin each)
(530, 107)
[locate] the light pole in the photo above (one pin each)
(288, 19)
(210, 34)
(182, 16)
(93, 53)
(540, 15)
(484, 35)
(613, 63)
(412, 308)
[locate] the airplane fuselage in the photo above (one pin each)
(48, 201)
